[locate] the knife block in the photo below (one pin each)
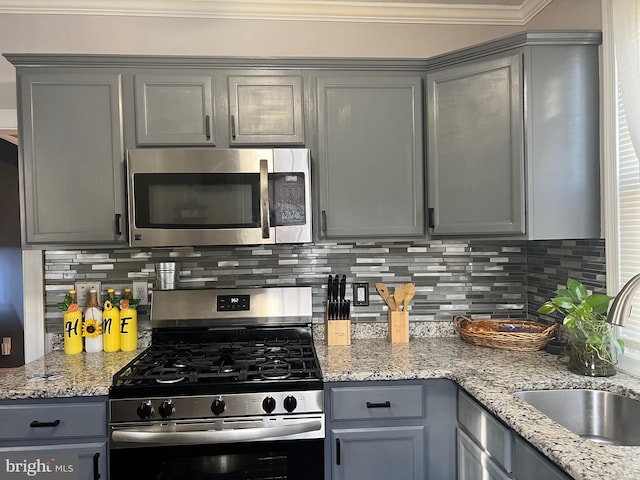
(398, 326)
(338, 331)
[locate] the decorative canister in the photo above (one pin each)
(111, 322)
(128, 322)
(72, 324)
(92, 325)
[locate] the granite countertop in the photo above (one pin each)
(58, 375)
(492, 376)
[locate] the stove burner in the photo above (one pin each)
(275, 370)
(170, 380)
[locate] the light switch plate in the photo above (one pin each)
(360, 294)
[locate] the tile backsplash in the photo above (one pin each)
(498, 279)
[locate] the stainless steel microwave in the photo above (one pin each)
(185, 197)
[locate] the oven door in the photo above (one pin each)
(282, 459)
(260, 448)
(180, 197)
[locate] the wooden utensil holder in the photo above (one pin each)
(338, 331)
(398, 326)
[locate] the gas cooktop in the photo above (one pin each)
(258, 360)
(209, 342)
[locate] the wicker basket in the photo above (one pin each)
(518, 335)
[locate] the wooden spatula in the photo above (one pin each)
(398, 296)
(386, 296)
(409, 293)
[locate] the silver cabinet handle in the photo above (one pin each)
(152, 435)
(264, 198)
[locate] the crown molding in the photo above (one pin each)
(310, 10)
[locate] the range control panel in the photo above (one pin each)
(233, 303)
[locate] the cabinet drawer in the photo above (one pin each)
(36, 421)
(488, 432)
(366, 403)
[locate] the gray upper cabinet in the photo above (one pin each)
(174, 109)
(513, 138)
(72, 157)
(371, 177)
(265, 110)
(476, 154)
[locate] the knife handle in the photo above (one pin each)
(330, 289)
(343, 287)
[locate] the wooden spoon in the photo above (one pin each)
(409, 293)
(398, 296)
(384, 293)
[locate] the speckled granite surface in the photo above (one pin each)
(60, 375)
(492, 376)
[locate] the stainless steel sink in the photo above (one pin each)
(602, 417)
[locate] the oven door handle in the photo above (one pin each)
(133, 435)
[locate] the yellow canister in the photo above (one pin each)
(111, 324)
(72, 328)
(128, 328)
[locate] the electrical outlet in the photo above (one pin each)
(140, 291)
(82, 291)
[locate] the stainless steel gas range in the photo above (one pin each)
(230, 388)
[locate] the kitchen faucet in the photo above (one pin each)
(621, 306)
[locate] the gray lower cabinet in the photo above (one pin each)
(474, 463)
(69, 433)
(370, 157)
(513, 128)
(529, 464)
(174, 109)
(266, 110)
(390, 429)
(72, 157)
(484, 443)
(489, 450)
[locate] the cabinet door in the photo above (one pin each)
(529, 464)
(174, 110)
(266, 110)
(370, 157)
(475, 148)
(73, 158)
(474, 463)
(378, 453)
(84, 461)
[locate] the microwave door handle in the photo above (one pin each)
(264, 198)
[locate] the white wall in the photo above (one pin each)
(187, 36)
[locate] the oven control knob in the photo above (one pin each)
(218, 406)
(269, 404)
(290, 403)
(145, 410)
(166, 408)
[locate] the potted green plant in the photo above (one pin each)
(593, 350)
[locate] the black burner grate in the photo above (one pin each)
(250, 360)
